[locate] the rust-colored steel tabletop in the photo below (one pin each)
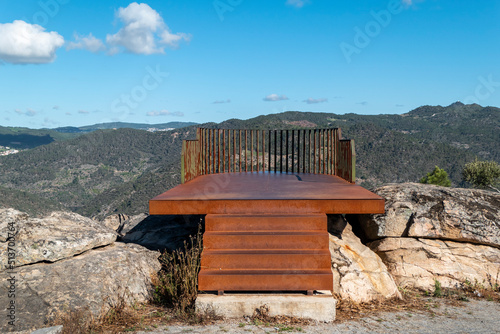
(256, 193)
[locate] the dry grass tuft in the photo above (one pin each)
(177, 285)
(261, 317)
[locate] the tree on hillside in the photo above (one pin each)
(438, 177)
(482, 174)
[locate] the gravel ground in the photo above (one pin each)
(476, 316)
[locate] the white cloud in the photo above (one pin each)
(144, 31)
(30, 112)
(24, 43)
(275, 97)
(297, 3)
(89, 43)
(221, 101)
(83, 112)
(313, 101)
(19, 111)
(67, 113)
(165, 113)
(55, 107)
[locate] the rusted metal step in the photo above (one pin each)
(271, 252)
(217, 222)
(265, 280)
(266, 240)
(265, 259)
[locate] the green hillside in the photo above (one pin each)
(110, 171)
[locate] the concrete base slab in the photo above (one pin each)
(318, 307)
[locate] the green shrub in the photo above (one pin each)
(438, 292)
(438, 177)
(482, 174)
(178, 279)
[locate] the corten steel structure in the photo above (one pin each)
(266, 195)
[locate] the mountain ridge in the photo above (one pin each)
(118, 171)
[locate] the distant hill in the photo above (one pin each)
(122, 125)
(118, 171)
(25, 138)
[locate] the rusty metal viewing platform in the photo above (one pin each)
(266, 194)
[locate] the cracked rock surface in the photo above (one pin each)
(358, 273)
(65, 262)
(55, 237)
(417, 262)
(430, 232)
(428, 211)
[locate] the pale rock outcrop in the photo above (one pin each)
(58, 236)
(415, 262)
(115, 221)
(95, 280)
(433, 233)
(122, 223)
(10, 219)
(358, 273)
(428, 211)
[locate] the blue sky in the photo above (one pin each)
(75, 62)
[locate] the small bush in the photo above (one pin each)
(177, 285)
(438, 292)
(438, 177)
(482, 174)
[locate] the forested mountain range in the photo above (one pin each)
(118, 171)
(24, 138)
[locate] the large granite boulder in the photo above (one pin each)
(358, 273)
(96, 279)
(115, 221)
(65, 261)
(58, 236)
(428, 211)
(416, 262)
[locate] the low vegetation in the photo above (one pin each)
(177, 285)
(482, 174)
(437, 177)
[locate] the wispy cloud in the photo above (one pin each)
(313, 101)
(165, 113)
(55, 107)
(297, 3)
(275, 97)
(25, 43)
(363, 103)
(83, 112)
(89, 43)
(29, 112)
(221, 101)
(144, 31)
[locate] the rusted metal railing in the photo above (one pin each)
(315, 151)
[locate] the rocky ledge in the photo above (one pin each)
(65, 261)
(433, 233)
